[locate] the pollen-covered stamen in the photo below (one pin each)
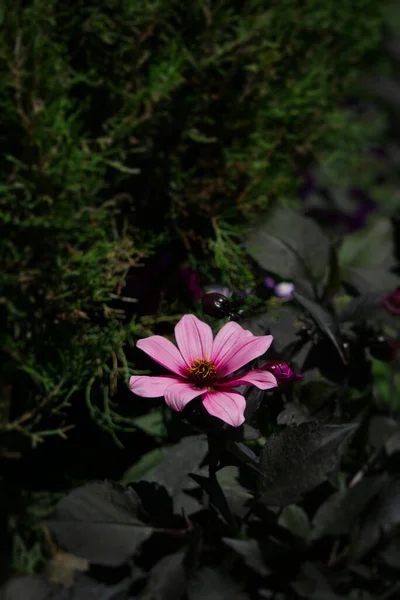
(202, 373)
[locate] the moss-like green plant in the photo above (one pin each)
(124, 123)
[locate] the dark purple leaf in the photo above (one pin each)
(297, 459)
(179, 460)
(99, 521)
(324, 320)
(381, 519)
(291, 246)
(337, 515)
(84, 588)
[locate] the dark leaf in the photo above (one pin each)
(250, 551)
(371, 279)
(254, 397)
(156, 502)
(381, 519)
(391, 554)
(178, 461)
(295, 519)
(250, 434)
(99, 521)
(152, 423)
(298, 459)
(209, 584)
(312, 583)
(338, 513)
(290, 245)
(145, 464)
(294, 413)
(258, 324)
(368, 247)
(384, 432)
(217, 497)
(317, 397)
(237, 497)
(29, 588)
(362, 307)
(84, 588)
(167, 579)
(243, 453)
(324, 320)
(283, 325)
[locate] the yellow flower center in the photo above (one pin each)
(202, 373)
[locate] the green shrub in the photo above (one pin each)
(125, 123)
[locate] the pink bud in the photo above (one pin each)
(281, 370)
(392, 302)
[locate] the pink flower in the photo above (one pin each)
(203, 366)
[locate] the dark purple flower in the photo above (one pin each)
(281, 370)
(392, 302)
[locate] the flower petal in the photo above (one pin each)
(179, 394)
(244, 350)
(226, 339)
(261, 379)
(227, 405)
(164, 352)
(194, 338)
(150, 387)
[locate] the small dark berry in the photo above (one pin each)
(382, 348)
(216, 305)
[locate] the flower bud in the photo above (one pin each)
(216, 305)
(282, 371)
(392, 302)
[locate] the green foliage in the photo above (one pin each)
(128, 123)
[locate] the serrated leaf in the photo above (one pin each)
(297, 459)
(99, 522)
(324, 320)
(290, 245)
(250, 552)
